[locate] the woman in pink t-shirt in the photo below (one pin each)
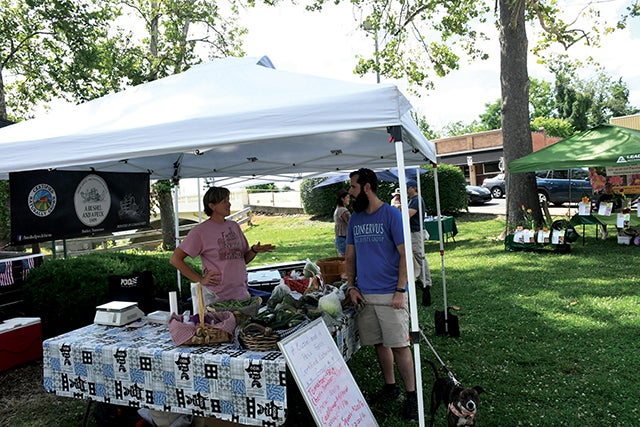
(222, 247)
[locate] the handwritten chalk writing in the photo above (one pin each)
(323, 376)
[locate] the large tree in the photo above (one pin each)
(421, 40)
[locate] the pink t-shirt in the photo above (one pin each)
(221, 247)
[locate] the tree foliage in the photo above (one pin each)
(51, 49)
(80, 50)
(553, 127)
(592, 102)
(5, 212)
(421, 40)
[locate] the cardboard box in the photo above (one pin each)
(20, 341)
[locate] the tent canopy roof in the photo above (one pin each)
(604, 145)
(233, 117)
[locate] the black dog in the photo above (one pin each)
(461, 403)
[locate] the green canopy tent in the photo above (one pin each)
(604, 145)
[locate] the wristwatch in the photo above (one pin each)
(401, 290)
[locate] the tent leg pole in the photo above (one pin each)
(177, 232)
(414, 328)
(440, 237)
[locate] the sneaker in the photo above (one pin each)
(411, 409)
(389, 393)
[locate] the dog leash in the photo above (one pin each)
(424, 337)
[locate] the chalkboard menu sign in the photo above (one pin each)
(324, 379)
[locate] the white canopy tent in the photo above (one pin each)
(233, 117)
(230, 117)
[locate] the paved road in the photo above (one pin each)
(497, 207)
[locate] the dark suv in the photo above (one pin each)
(560, 186)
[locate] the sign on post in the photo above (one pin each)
(324, 379)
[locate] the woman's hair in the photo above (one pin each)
(214, 195)
(339, 196)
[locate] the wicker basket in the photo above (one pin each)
(189, 334)
(243, 310)
(258, 338)
(203, 333)
(331, 269)
(208, 334)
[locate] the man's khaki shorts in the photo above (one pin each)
(379, 322)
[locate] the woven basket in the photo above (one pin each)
(331, 269)
(242, 311)
(190, 334)
(208, 335)
(258, 338)
(203, 333)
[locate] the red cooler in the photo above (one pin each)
(20, 341)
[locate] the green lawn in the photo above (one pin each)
(554, 339)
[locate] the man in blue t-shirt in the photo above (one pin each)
(377, 279)
(417, 236)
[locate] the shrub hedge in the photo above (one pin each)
(320, 202)
(65, 292)
(451, 183)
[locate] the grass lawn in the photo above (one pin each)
(552, 338)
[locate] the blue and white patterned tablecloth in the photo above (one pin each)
(140, 367)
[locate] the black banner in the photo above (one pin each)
(51, 205)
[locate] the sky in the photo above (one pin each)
(326, 44)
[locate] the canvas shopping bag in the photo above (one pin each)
(528, 236)
(518, 237)
(623, 220)
(605, 208)
(557, 237)
(543, 236)
(584, 208)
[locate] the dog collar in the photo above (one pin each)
(463, 413)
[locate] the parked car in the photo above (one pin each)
(477, 195)
(561, 186)
(495, 184)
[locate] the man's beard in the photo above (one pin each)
(361, 202)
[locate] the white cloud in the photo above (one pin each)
(326, 44)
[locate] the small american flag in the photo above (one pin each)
(6, 274)
(27, 265)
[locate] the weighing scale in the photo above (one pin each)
(117, 313)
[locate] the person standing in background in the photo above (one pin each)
(417, 205)
(376, 269)
(395, 201)
(341, 219)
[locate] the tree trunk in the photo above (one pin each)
(3, 99)
(514, 79)
(167, 220)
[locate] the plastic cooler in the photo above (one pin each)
(264, 280)
(20, 341)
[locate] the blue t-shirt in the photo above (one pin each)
(376, 238)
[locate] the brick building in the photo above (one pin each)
(479, 155)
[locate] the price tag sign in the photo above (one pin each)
(331, 393)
